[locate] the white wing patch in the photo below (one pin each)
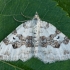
(35, 38)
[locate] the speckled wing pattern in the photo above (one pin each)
(35, 38)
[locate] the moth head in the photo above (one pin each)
(36, 17)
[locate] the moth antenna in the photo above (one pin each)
(25, 16)
(18, 20)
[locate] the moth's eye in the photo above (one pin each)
(35, 19)
(58, 37)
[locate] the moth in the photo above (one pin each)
(38, 39)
